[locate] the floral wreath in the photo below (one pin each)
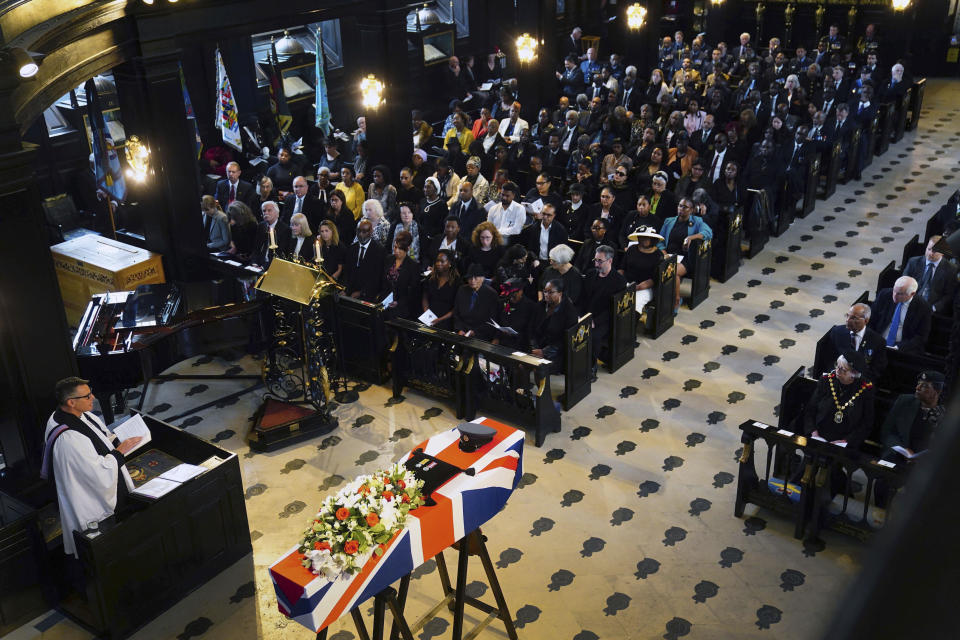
(359, 520)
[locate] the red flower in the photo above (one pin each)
(388, 495)
(405, 498)
(363, 490)
(372, 519)
(343, 513)
(401, 484)
(320, 546)
(351, 547)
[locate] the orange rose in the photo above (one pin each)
(343, 513)
(372, 519)
(320, 546)
(351, 547)
(388, 495)
(405, 498)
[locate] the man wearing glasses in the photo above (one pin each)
(855, 335)
(85, 460)
(599, 287)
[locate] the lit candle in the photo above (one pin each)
(273, 239)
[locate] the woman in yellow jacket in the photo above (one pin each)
(353, 195)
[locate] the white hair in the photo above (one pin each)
(561, 254)
(864, 310)
(906, 282)
(374, 205)
(842, 363)
(269, 203)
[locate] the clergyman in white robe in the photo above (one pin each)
(86, 481)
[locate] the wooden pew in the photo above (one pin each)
(361, 339)
(901, 112)
(475, 375)
(755, 226)
(831, 459)
(785, 456)
(850, 171)
(832, 168)
(623, 329)
(886, 114)
(657, 315)
(725, 261)
(578, 355)
(869, 141)
(785, 210)
(916, 103)
(810, 193)
(698, 270)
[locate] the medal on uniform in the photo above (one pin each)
(838, 417)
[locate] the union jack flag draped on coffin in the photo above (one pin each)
(463, 504)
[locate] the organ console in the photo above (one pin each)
(127, 338)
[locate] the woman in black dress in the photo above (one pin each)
(331, 250)
(641, 260)
(486, 248)
(342, 217)
(639, 217)
(433, 209)
(441, 290)
(402, 279)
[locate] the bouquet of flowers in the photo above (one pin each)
(359, 520)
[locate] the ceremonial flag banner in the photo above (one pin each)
(105, 157)
(226, 119)
(322, 105)
(191, 116)
(278, 99)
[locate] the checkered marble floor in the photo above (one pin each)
(623, 526)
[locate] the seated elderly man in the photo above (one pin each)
(901, 316)
(855, 335)
(841, 409)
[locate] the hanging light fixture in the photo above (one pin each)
(716, 3)
(138, 158)
(372, 91)
(526, 48)
(636, 16)
(900, 5)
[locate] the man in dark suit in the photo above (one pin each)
(936, 277)
(233, 188)
(857, 336)
(894, 88)
(947, 217)
(363, 266)
(702, 140)
(600, 285)
(554, 157)
(571, 80)
(840, 128)
(300, 201)
(795, 158)
(467, 210)
(540, 238)
(901, 316)
(631, 97)
(263, 255)
(799, 64)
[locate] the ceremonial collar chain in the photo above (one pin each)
(838, 416)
